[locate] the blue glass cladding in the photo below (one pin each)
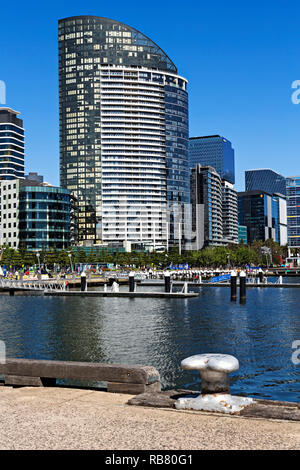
(177, 131)
(213, 151)
(265, 180)
(293, 210)
(44, 217)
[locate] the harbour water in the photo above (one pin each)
(162, 332)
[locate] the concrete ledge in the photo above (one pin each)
(41, 418)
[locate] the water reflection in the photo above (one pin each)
(162, 332)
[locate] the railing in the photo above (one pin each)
(32, 285)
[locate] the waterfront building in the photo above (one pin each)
(264, 215)
(229, 212)
(123, 133)
(215, 151)
(242, 231)
(265, 179)
(206, 202)
(12, 145)
(36, 216)
(293, 210)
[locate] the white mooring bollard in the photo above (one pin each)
(214, 370)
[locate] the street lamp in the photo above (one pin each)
(38, 257)
(70, 258)
(228, 260)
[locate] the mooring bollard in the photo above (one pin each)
(83, 284)
(280, 280)
(215, 384)
(167, 282)
(233, 285)
(243, 278)
(131, 282)
(115, 287)
(261, 276)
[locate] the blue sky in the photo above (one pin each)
(240, 59)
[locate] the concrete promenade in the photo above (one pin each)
(63, 418)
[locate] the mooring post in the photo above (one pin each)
(131, 282)
(83, 285)
(260, 275)
(167, 282)
(243, 278)
(215, 385)
(233, 285)
(280, 280)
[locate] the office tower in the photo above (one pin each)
(230, 212)
(12, 147)
(36, 216)
(34, 177)
(293, 210)
(123, 132)
(215, 151)
(266, 180)
(206, 202)
(264, 215)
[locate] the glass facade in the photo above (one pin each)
(12, 146)
(242, 230)
(123, 130)
(253, 214)
(293, 210)
(265, 180)
(44, 217)
(215, 151)
(264, 216)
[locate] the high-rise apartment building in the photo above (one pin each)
(293, 210)
(206, 202)
(215, 151)
(264, 179)
(230, 212)
(123, 132)
(12, 145)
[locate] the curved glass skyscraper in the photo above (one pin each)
(123, 131)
